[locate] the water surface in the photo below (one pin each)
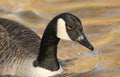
(101, 21)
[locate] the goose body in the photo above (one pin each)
(24, 54)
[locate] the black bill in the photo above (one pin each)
(83, 41)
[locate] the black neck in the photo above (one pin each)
(47, 57)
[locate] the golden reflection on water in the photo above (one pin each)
(101, 20)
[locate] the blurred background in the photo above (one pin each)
(101, 22)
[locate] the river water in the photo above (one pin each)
(101, 21)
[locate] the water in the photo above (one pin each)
(101, 21)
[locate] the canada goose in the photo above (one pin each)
(22, 53)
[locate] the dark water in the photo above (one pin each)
(101, 20)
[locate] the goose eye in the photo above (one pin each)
(70, 27)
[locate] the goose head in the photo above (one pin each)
(69, 27)
(64, 26)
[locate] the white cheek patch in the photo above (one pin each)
(61, 30)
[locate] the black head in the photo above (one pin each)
(64, 26)
(69, 27)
